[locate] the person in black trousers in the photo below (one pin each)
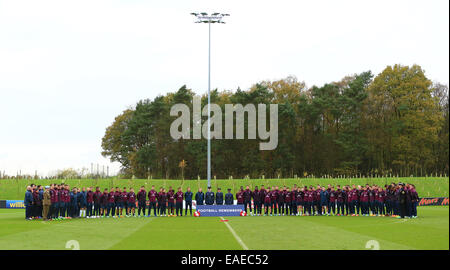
(402, 200)
(28, 203)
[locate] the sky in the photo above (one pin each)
(67, 68)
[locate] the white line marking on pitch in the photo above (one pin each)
(401, 221)
(238, 239)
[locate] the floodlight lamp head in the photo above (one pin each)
(204, 17)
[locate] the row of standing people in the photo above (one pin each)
(393, 200)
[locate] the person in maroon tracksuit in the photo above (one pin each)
(274, 201)
(117, 201)
(262, 194)
(364, 201)
(297, 200)
(380, 201)
(247, 200)
(372, 192)
(240, 196)
(66, 194)
(131, 196)
(111, 203)
(288, 202)
(179, 202)
(89, 202)
(141, 198)
(171, 202)
(332, 201)
(97, 201)
(309, 200)
(152, 198)
(267, 200)
(316, 199)
(124, 201)
(54, 202)
(256, 201)
(162, 199)
(37, 204)
(280, 201)
(349, 202)
(340, 201)
(414, 201)
(104, 203)
(354, 201)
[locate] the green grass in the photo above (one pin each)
(429, 231)
(426, 187)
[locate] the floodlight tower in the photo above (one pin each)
(204, 17)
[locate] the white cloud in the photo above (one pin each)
(67, 68)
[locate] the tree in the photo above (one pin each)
(404, 120)
(395, 123)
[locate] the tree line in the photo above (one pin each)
(396, 123)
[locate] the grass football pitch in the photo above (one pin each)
(429, 231)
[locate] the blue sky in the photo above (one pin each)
(67, 68)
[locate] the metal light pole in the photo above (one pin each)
(204, 17)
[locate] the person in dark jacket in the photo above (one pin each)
(248, 200)
(261, 195)
(388, 201)
(37, 204)
(141, 198)
(73, 206)
(97, 201)
(256, 201)
(28, 203)
(82, 203)
(229, 198)
(199, 197)
(396, 200)
(415, 201)
(112, 203)
(219, 196)
(41, 198)
(209, 197)
(408, 201)
(152, 201)
(162, 196)
(89, 202)
(188, 201)
(323, 201)
(104, 203)
(402, 200)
